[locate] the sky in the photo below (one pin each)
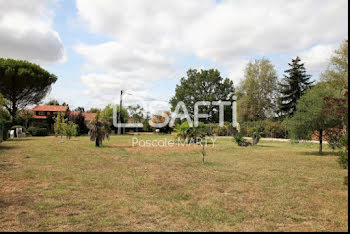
(97, 48)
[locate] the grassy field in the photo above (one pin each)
(73, 186)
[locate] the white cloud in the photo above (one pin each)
(26, 32)
(149, 34)
(318, 57)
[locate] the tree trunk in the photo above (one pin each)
(321, 140)
(97, 142)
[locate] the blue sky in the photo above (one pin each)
(98, 47)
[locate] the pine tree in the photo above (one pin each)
(293, 86)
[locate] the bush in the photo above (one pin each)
(344, 159)
(240, 140)
(16, 126)
(186, 132)
(37, 131)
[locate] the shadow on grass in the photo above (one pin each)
(6, 147)
(19, 139)
(264, 146)
(324, 154)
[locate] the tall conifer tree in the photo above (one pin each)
(293, 86)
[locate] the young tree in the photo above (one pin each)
(310, 116)
(23, 83)
(257, 92)
(53, 103)
(293, 86)
(70, 129)
(99, 130)
(60, 124)
(337, 74)
(204, 85)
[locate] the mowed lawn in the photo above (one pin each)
(73, 186)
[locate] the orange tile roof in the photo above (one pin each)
(87, 116)
(51, 108)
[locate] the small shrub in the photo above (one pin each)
(344, 159)
(37, 131)
(257, 134)
(241, 141)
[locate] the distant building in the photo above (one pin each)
(42, 112)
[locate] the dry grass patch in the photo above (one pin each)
(46, 186)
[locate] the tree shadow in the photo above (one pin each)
(324, 154)
(6, 147)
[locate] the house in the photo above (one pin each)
(42, 112)
(88, 116)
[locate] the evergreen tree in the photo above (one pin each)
(293, 86)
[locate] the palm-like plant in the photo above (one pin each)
(99, 130)
(257, 134)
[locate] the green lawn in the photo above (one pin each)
(73, 186)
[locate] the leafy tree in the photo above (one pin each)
(60, 123)
(93, 110)
(293, 86)
(310, 116)
(53, 103)
(135, 113)
(24, 117)
(204, 85)
(107, 113)
(80, 109)
(23, 83)
(257, 92)
(337, 74)
(338, 108)
(79, 120)
(99, 130)
(70, 129)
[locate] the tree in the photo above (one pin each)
(53, 103)
(60, 123)
(80, 109)
(337, 74)
(107, 112)
(194, 134)
(204, 85)
(135, 113)
(338, 108)
(257, 92)
(93, 110)
(293, 86)
(70, 129)
(23, 117)
(23, 83)
(310, 116)
(99, 130)
(79, 120)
